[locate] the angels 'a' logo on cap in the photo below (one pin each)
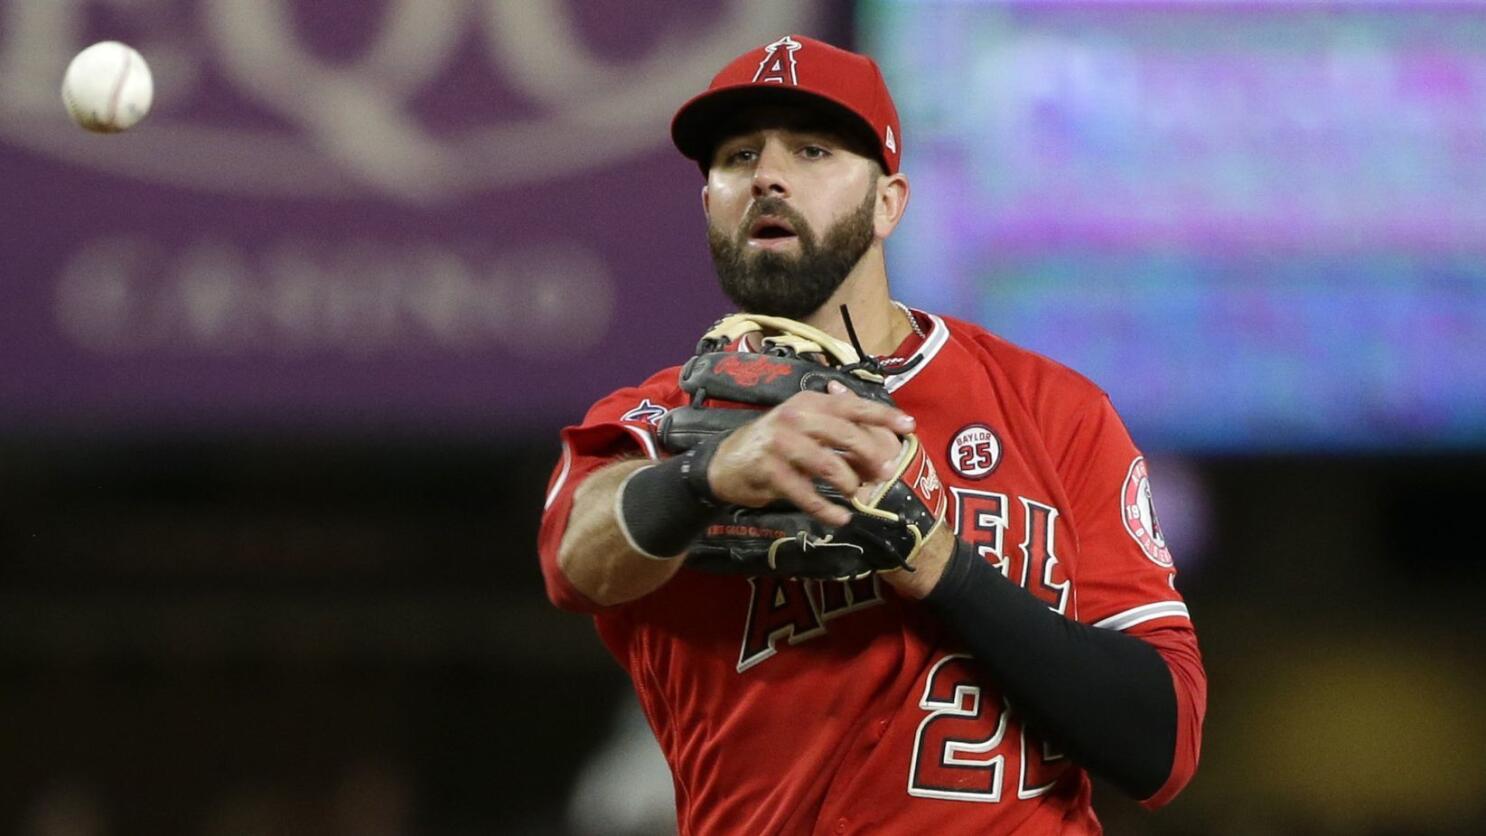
(890, 142)
(777, 68)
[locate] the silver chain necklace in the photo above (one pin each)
(912, 320)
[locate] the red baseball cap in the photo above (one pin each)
(793, 68)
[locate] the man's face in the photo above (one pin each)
(790, 208)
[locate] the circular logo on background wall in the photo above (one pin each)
(975, 451)
(398, 120)
(1139, 512)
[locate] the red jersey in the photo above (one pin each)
(829, 707)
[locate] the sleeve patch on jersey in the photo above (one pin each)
(1139, 512)
(646, 412)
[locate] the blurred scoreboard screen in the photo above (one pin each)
(1260, 226)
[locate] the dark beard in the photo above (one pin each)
(782, 284)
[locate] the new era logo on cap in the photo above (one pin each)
(777, 69)
(800, 71)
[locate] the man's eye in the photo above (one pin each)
(742, 155)
(814, 152)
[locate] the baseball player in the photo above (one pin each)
(871, 569)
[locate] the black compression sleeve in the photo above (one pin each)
(660, 512)
(1106, 698)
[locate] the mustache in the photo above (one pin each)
(773, 207)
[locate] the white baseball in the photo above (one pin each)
(108, 88)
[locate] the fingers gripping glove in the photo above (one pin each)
(729, 387)
(887, 530)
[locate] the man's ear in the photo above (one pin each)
(706, 203)
(892, 201)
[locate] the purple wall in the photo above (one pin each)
(420, 215)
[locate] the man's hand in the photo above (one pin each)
(781, 440)
(838, 438)
(928, 567)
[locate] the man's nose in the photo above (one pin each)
(770, 176)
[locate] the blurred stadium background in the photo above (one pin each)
(281, 373)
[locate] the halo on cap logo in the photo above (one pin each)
(1139, 512)
(975, 451)
(775, 69)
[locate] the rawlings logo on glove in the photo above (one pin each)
(751, 369)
